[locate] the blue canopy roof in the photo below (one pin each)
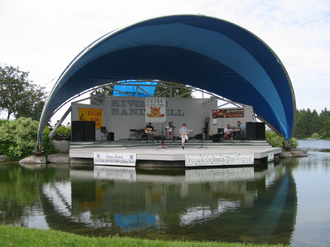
(143, 91)
(200, 51)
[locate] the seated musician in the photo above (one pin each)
(228, 133)
(169, 131)
(149, 129)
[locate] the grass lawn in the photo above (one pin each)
(22, 236)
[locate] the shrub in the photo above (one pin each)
(315, 136)
(273, 139)
(277, 141)
(294, 142)
(48, 145)
(64, 131)
(18, 138)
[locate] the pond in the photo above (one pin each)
(283, 202)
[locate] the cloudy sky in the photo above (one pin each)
(42, 37)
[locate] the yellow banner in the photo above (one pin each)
(90, 114)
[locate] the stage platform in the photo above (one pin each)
(171, 151)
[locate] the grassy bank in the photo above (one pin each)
(21, 236)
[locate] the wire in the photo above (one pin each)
(307, 69)
(50, 81)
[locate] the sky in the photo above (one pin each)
(43, 37)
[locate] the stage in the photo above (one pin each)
(172, 152)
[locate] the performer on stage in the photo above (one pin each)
(240, 133)
(184, 134)
(169, 131)
(227, 132)
(206, 127)
(149, 129)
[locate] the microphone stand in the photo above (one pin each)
(163, 146)
(172, 135)
(202, 139)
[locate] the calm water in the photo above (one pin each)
(287, 202)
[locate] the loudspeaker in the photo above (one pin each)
(260, 131)
(255, 131)
(77, 131)
(111, 136)
(251, 131)
(83, 131)
(216, 138)
(89, 127)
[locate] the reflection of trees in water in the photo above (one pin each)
(258, 207)
(18, 191)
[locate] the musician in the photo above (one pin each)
(206, 127)
(169, 131)
(227, 132)
(149, 129)
(240, 133)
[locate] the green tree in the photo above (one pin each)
(307, 123)
(107, 91)
(325, 123)
(163, 89)
(18, 95)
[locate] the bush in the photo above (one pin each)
(294, 142)
(48, 145)
(273, 139)
(18, 138)
(64, 131)
(277, 141)
(315, 136)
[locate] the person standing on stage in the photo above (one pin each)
(169, 131)
(240, 133)
(184, 134)
(206, 128)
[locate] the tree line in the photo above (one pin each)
(312, 124)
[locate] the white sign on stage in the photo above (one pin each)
(217, 159)
(270, 156)
(116, 159)
(155, 110)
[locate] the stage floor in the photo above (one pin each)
(170, 151)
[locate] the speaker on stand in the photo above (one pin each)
(255, 131)
(89, 127)
(83, 131)
(111, 136)
(251, 130)
(77, 131)
(260, 131)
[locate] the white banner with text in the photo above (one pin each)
(115, 159)
(218, 159)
